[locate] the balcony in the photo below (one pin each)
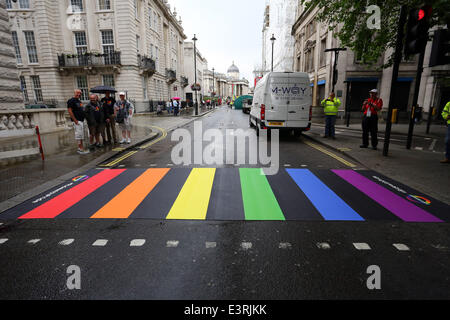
(147, 65)
(184, 82)
(171, 76)
(88, 60)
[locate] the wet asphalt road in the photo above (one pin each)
(210, 260)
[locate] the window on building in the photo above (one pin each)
(24, 4)
(144, 87)
(104, 4)
(108, 45)
(82, 84)
(8, 4)
(150, 17)
(37, 88)
(16, 47)
(80, 42)
(138, 43)
(31, 47)
(77, 5)
(323, 46)
(108, 80)
(136, 9)
(23, 86)
(156, 57)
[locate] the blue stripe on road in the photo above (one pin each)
(330, 206)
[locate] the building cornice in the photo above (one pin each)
(300, 19)
(162, 5)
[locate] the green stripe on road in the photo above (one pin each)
(259, 201)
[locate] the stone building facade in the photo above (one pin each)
(201, 64)
(355, 79)
(134, 45)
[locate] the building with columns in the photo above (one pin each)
(355, 79)
(201, 65)
(134, 45)
(237, 86)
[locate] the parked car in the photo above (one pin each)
(282, 100)
(39, 106)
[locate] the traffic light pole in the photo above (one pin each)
(416, 98)
(397, 60)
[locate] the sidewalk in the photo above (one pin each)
(24, 180)
(419, 169)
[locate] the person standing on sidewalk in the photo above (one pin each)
(370, 108)
(123, 111)
(95, 117)
(176, 107)
(108, 103)
(446, 116)
(331, 108)
(76, 112)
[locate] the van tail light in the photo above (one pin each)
(310, 113)
(263, 112)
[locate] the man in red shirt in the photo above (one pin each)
(370, 108)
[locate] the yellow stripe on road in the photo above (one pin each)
(163, 136)
(127, 155)
(319, 148)
(193, 201)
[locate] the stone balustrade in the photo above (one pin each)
(16, 123)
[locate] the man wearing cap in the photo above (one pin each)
(123, 111)
(370, 108)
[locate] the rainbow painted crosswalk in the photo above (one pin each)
(232, 194)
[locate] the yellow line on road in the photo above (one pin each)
(319, 148)
(127, 155)
(163, 136)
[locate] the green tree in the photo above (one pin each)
(349, 20)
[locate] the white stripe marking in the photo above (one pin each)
(172, 244)
(2, 241)
(137, 243)
(246, 245)
(66, 242)
(323, 245)
(433, 144)
(419, 148)
(401, 247)
(362, 246)
(34, 241)
(100, 243)
(210, 245)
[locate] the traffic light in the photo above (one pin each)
(440, 54)
(417, 30)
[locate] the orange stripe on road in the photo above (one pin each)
(124, 204)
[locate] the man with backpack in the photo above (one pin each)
(123, 111)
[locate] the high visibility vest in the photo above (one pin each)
(331, 107)
(446, 113)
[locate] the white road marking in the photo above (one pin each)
(284, 246)
(323, 245)
(153, 165)
(66, 242)
(419, 148)
(362, 246)
(172, 244)
(433, 144)
(170, 164)
(246, 245)
(303, 165)
(137, 243)
(401, 247)
(100, 243)
(1, 223)
(2, 241)
(210, 245)
(33, 241)
(287, 165)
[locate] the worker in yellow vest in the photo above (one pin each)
(331, 107)
(446, 116)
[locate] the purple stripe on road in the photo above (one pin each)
(397, 205)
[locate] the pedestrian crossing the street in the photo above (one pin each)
(232, 194)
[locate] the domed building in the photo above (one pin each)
(238, 86)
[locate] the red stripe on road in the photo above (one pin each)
(64, 201)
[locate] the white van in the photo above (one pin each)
(282, 100)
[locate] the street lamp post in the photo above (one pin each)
(336, 58)
(195, 73)
(273, 42)
(213, 86)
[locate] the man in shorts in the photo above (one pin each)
(76, 112)
(123, 111)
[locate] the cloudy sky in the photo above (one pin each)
(227, 31)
